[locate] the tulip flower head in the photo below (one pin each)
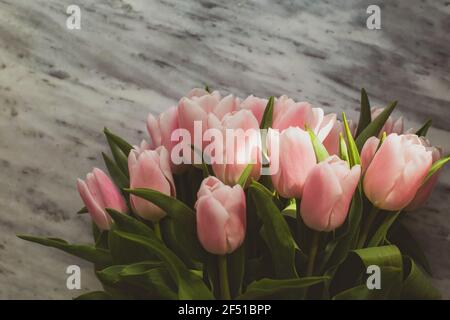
(151, 170)
(288, 113)
(327, 194)
(296, 159)
(240, 146)
(98, 192)
(397, 171)
(221, 219)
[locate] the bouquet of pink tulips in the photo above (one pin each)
(259, 199)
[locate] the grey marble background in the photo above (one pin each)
(58, 88)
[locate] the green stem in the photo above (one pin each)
(157, 230)
(366, 228)
(223, 276)
(313, 253)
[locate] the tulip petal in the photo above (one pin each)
(109, 192)
(211, 220)
(101, 219)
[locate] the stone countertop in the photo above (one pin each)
(59, 87)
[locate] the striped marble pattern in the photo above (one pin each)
(58, 88)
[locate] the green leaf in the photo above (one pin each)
(119, 178)
(127, 223)
(122, 250)
(119, 158)
(435, 167)
(190, 285)
(146, 279)
(380, 235)
(156, 281)
(290, 210)
(82, 210)
(417, 285)
(381, 256)
(422, 132)
(124, 146)
(95, 295)
(374, 128)
(343, 151)
(207, 89)
(245, 174)
(110, 275)
(354, 272)
(319, 149)
(97, 256)
(279, 238)
(389, 288)
(365, 115)
(183, 221)
(279, 289)
(267, 118)
(353, 153)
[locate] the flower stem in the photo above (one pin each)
(223, 275)
(313, 253)
(157, 230)
(366, 228)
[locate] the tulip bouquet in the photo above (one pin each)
(303, 206)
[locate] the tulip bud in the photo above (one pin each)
(151, 170)
(99, 192)
(391, 125)
(327, 194)
(426, 188)
(240, 146)
(288, 113)
(221, 219)
(397, 171)
(255, 105)
(295, 160)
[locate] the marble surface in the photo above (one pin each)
(58, 88)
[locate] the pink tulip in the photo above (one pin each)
(368, 152)
(295, 160)
(397, 171)
(331, 142)
(327, 194)
(426, 188)
(392, 125)
(99, 192)
(197, 108)
(221, 219)
(160, 131)
(151, 170)
(255, 105)
(231, 157)
(288, 113)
